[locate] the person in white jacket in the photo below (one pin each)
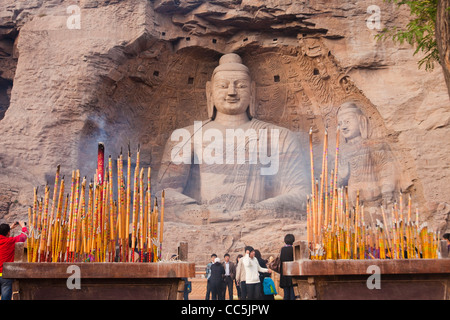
(252, 269)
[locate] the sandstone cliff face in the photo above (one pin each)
(135, 70)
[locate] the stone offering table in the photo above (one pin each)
(100, 281)
(351, 279)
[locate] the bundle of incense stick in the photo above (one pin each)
(337, 231)
(92, 222)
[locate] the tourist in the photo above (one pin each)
(208, 275)
(187, 288)
(187, 283)
(238, 287)
(252, 269)
(7, 250)
(262, 275)
(240, 279)
(230, 275)
(216, 280)
(446, 236)
(287, 254)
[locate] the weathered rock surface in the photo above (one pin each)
(135, 70)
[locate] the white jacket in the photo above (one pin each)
(252, 269)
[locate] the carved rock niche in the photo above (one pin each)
(157, 90)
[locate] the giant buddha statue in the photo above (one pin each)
(232, 166)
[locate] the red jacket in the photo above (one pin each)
(7, 246)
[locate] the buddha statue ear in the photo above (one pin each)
(209, 100)
(252, 106)
(364, 127)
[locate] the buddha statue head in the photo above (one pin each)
(231, 90)
(353, 124)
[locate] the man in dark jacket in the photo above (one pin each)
(216, 280)
(230, 274)
(208, 275)
(287, 254)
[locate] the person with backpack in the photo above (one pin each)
(252, 269)
(266, 292)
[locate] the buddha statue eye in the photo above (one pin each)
(222, 85)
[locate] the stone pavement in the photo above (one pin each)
(199, 290)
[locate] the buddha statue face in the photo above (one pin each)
(353, 124)
(231, 92)
(349, 124)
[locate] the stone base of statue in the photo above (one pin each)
(209, 231)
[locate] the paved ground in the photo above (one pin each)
(199, 290)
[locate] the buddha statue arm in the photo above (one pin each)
(290, 201)
(343, 171)
(385, 166)
(289, 187)
(173, 175)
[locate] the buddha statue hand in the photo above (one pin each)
(218, 213)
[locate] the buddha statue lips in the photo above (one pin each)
(232, 101)
(230, 187)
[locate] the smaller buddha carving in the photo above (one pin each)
(365, 165)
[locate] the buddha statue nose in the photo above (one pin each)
(232, 89)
